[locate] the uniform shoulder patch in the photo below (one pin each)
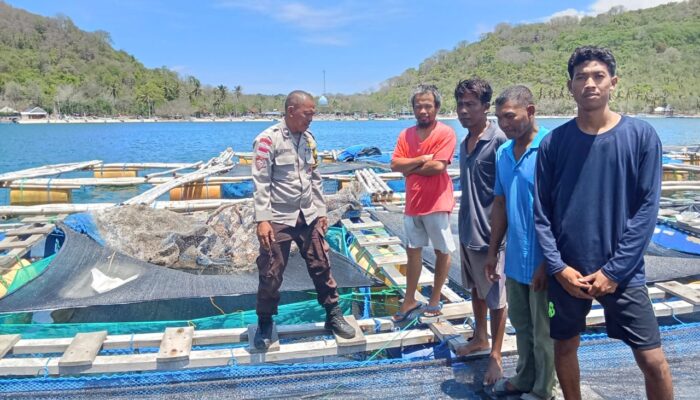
(263, 148)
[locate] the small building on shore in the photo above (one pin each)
(34, 113)
(8, 113)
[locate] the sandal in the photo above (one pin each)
(500, 388)
(432, 311)
(401, 317)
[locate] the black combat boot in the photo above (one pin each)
(336, 323)
(263, 335)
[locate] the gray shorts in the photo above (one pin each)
(430, 229)
(474, 276)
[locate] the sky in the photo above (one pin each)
(273, 47)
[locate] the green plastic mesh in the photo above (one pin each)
(28, 273)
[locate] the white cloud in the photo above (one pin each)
(603, 6)
(569, 12)
(323, 22)
(482, 28)
(178, 68)
(326, 40)
(309, 17)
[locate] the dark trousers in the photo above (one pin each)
(271, 264)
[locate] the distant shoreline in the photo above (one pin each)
(92, 120)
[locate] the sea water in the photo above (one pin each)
(33, 145)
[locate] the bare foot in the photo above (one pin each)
(494, 372)
(473, 346)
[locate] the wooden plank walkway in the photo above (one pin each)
(36, 231)
(6, 343)
(83, 349)
(274, 340)
(175, 344)
(32, 229)
(380, 253)
(689, 294)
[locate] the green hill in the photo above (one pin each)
(657, 50)
(51, 63)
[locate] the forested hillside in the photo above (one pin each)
(51, 63)
(657, 50)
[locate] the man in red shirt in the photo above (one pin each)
(422, 155)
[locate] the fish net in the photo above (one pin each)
(608, 371)
(224, 241)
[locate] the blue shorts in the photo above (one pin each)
(629, 315)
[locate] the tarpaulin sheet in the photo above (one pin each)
(70, 279)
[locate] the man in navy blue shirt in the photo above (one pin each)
(597, 197)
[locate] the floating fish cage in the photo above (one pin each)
(56, 276)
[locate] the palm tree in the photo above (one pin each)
(237, 91)
(196, 89)
(221, 92)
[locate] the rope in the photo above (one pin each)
(211, 299)
(46, 367)
(673, 314)
(377, 325)
(21, 189)
(232, 362)
(366, 303)
(48, 189)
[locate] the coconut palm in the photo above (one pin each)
(220, 94)
(196, 89)
(237, 92)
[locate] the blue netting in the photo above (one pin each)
(672, 238)
(84, 223)
(607, 366)
(240, 190)
(362, 152)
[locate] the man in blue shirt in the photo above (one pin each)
(597, 196)
(512, 216)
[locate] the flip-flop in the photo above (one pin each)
(436, 311)
(401, 317)
(500, 388)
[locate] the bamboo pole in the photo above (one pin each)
(179, 206)
(380, 182)
(679, 183)
(156, 180)
(680, 187)
(48, 185)
(145, 165)
(364, 184)
(48, 209)
(152, 194)
(370, 182)
(43, 182)
(47, 170)
(682, 167)
(216, 165)
(171, 171)
(378, 189)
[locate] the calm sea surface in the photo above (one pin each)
(26, 146)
